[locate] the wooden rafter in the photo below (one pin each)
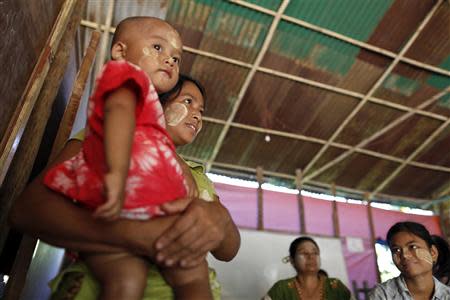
(247, 82)
(413, 155)
(344, 38)
(379, 81)
(320, 85)
(375, 136)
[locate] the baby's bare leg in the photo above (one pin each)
(121, 275)
(189, 284)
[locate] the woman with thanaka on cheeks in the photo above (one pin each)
(413, 254)
(128, 166)
(304, 256)
(177, 240)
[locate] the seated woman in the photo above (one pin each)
(304, 255)
(441, 269)
(413, 254)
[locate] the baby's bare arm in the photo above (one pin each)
(48, 215)
(119, 125)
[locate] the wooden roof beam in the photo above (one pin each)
(334, 144)
(247, 81)
(344, 38)
(374, 87)
(94, 25)
(377, 134)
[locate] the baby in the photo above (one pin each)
(128, 166)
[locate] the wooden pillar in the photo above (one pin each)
(337, 232)
(66, 124)
(260, 179)
(301, 206)
(372, 232)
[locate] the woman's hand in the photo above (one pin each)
(201, 228)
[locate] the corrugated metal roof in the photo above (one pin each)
(353, 18)
(225, 28)
(311, 80)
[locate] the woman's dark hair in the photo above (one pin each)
(297, 242)
(176, 90)
(442, 266)
(411, 227)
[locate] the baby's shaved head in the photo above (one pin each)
(132, 25)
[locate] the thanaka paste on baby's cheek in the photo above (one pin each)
(175, 113)
(146, 51)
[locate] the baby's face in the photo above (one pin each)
(158, 52)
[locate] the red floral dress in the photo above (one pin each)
(154, 177)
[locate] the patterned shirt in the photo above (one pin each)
(396, 289)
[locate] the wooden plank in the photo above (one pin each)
(19, 53)
(372, 232)
(65, 127)
(20, 118)
(27, 150)
(260, 179)
(301, 205)
(337, 230)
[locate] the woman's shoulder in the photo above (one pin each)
(282, 285)
(334, 282)
(388, 289)
(336, 286)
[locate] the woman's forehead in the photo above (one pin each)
(307, 245)
(404, 237)
(190, 89)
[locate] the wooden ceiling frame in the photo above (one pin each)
(365, 97)
(299, 79)
(247, 81)
(334, 144)
(372, 90)
(413, 155)
(344, 38)
(375, 135)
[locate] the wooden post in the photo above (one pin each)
(301, 206)
(65, 127)
(37, 100)
(28, 244)
(337, 232)
(19, 120)
(372, 232)
(260, 179)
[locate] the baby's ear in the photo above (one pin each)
(118, 51)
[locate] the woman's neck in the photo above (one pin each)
(420, 286)
(308, 280)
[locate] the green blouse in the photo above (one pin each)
(285, 289)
